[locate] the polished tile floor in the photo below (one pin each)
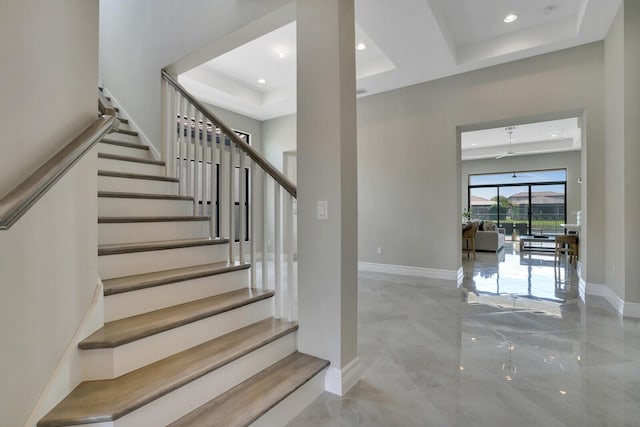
(512, 347)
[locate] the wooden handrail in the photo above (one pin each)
(289, 186)
(18, 201)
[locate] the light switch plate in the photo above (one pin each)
(323, 209)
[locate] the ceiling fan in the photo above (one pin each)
(509, 153)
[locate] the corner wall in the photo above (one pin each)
(48, 261)
(139, 38)
(409, 173)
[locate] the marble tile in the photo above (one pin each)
(508, 347)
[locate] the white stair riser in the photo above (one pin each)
(180, 402)
(292, 405)
(123, 151)
(130, 167)
(132, 185)
(138, 232)
(116, 136)
(127, 304)
(110, 363)
(114, 206)
(127, 264)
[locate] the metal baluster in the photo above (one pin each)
(171, 128)
(191, 143)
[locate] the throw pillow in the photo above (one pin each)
(490, 226)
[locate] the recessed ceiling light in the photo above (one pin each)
(262, 81)
(473, 145)
(282, 52)
(510, 18)
(361, 46)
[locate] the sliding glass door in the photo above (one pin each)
(523, 203)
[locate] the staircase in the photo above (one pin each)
(189, 339)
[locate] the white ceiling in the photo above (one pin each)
(533, 138)
(408, 42)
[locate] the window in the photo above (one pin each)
(524, 203)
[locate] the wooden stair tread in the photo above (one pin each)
(130, 159)
(123, 331)
(107, 400)
(127, 132)
(158, 278)
(114, 249)
(123, 120)
(137, 176)
(252, 398)
(124, 195)
(124, 144)
(132, 219)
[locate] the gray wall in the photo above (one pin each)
(139, 38)
(279, 136)
(614, 155)
(569, 160)
(622, 82)
(409, 167)
(409, 172)
(48, 258)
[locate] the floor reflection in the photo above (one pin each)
(517, 349)
(522, 280)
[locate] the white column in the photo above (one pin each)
(326, 135)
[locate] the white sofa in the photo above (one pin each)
(489, 241)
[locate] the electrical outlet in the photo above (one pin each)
(379, 250)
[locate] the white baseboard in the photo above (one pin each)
(624, 308)
(405, 270)
(143, 138)
(69, 371)
(340, 381)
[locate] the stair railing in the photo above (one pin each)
(225, 175)
(20, 199)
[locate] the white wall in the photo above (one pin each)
(614, 155)
(279, 135)
(569, 160)
(409, 175)
(622, 82)
(45, 80)
(48, 258)
(409, 168)
(139, 38)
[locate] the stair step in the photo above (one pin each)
(157, 246)
(123, 195)
(127, 132)
(130, 159)
(115, 174)
(124, 144)
(123, 331)
(123, 120)
(108, 400)
(132, 219)
(252, 398)
(119, 260)
(159, 278)
(114, 203)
